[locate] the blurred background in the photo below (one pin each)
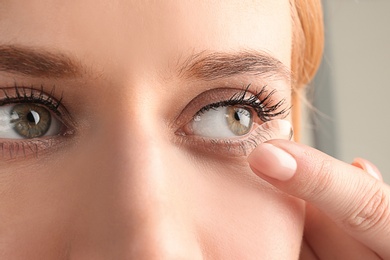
(352, 89)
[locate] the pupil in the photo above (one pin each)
(236, 116)
(33, 117)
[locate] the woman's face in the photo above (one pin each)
(122, 127)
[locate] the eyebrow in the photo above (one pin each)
(36, 62)
(212, 66)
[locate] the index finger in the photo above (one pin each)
(355, 201)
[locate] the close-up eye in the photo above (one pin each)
(237, 123)
(27, 121)
(237, 115)
(31, 122)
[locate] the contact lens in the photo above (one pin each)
(273, 129)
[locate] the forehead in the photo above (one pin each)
(123, 31)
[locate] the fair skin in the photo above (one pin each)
(128, 179)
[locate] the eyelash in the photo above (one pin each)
(260, 102)
(32, 95)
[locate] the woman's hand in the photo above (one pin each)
(348, 211)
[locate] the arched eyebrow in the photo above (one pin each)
(33, 62)
(216, 65)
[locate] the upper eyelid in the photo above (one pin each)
(261, 100)
(18, 94)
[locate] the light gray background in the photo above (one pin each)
(352, 87)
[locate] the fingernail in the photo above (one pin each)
(273, 162)
(367, 166)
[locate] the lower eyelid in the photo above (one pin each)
(219, 147)
(14, 150)
(242, 146)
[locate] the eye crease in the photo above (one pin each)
(261, 102)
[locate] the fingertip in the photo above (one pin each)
(368, 167)
(272, 162)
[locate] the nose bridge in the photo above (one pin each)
(148, 204)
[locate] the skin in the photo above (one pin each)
(342, 221)
(127, 182)
(124, 184)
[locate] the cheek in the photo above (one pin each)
(245, 216)
(34, 212)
